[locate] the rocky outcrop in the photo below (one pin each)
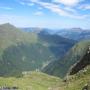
(87, 86)
(85, 60)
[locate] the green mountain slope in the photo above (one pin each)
(24, 57)
(31, 52)
(22, 51)
(61, 67)
(10, 35)
(57, 44)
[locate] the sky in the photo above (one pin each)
(46, 13)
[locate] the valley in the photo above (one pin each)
(22, 51)
(39, 60)
(44, 44)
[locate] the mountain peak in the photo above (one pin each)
(6, 24)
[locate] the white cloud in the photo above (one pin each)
(6, 8)
(70, 9)
(34, 0)
(40, 8)
(22, 3)
(68, 2)
(26, 3)
(85, 7)
(53, 8)
(56, 8)
(39, 13)
(30, 4)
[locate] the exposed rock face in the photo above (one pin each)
(85, 60)
(87, 86)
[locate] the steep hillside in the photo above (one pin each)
(61, 67)
(82, 63)
(78, 81)
(57, 44)
(22, 51)
(10, 35)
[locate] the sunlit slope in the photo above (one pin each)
(10, 35)
(32, 81)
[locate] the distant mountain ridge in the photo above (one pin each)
(77, 34)
(32, 29)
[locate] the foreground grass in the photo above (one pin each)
(41, 81)
(33, 81)
(78, 81)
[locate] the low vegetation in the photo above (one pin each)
(41, 81)
(31, 81)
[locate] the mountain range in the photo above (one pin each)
(44, 60)
(26, 51)
(76, 34)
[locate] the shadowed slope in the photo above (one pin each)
(61, 67)
(82, 63)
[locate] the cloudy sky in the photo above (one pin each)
(46, 13)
